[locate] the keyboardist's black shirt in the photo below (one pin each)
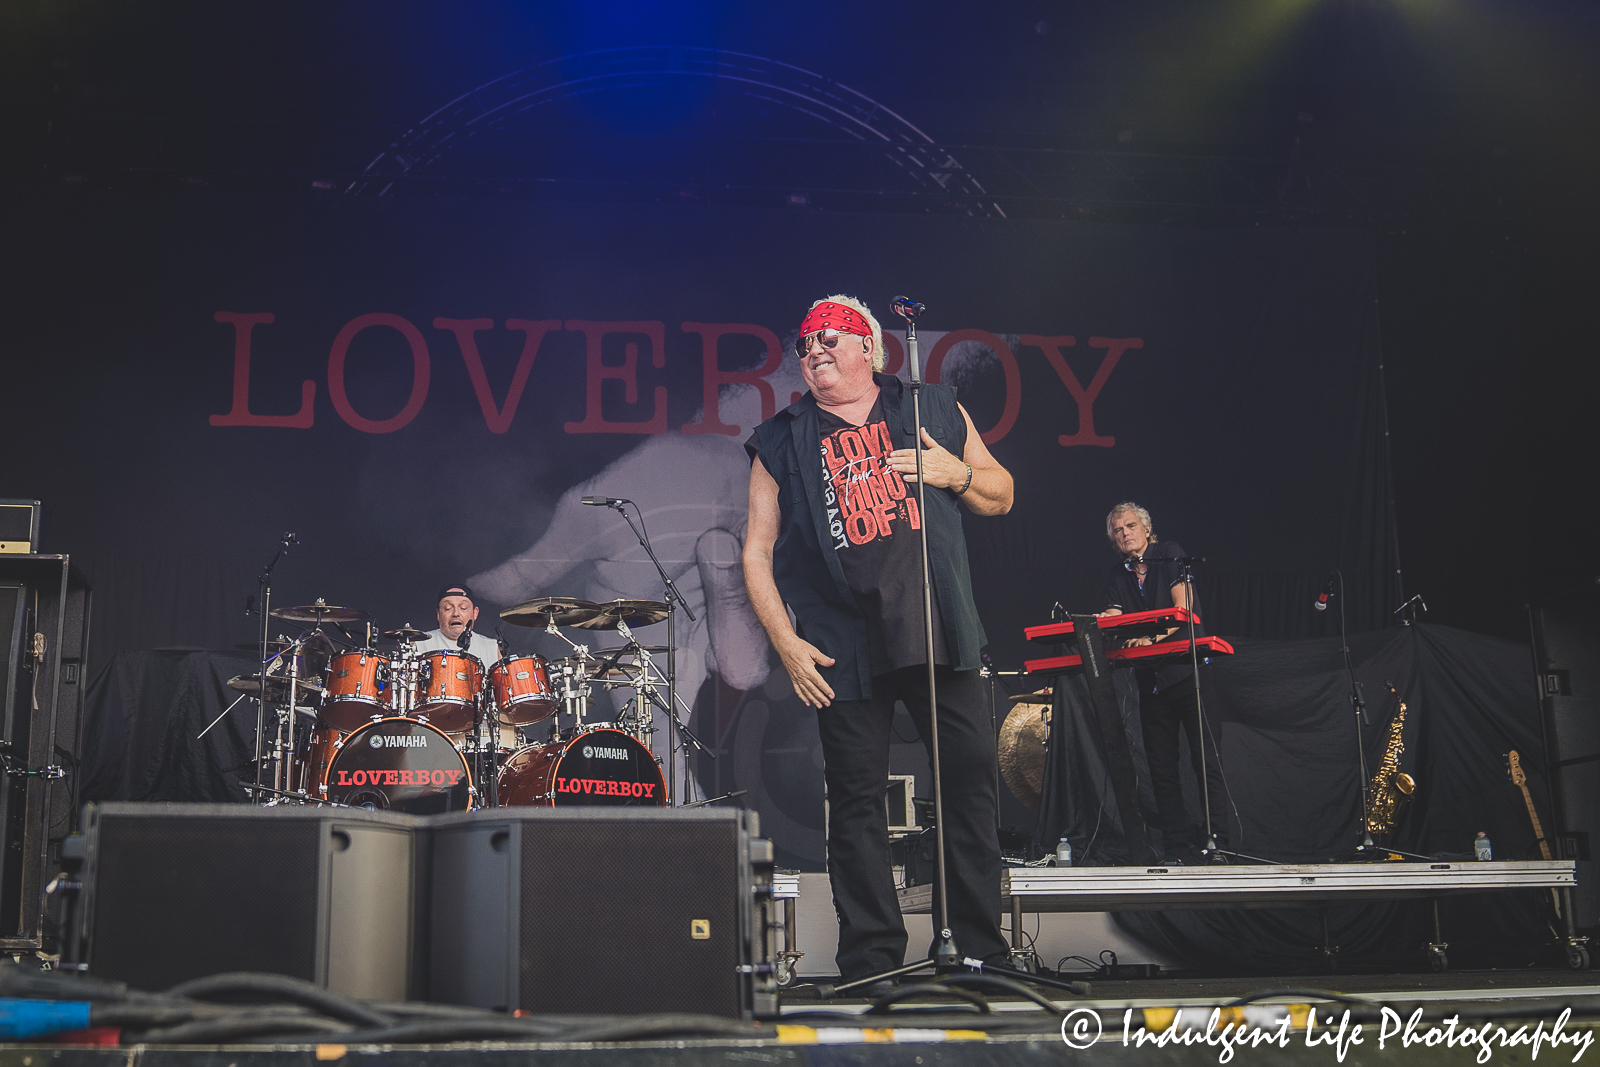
(1123, 591)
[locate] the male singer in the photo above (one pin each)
(834, 536)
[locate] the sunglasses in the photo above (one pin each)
(829, 339)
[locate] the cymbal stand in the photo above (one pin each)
(264, 581)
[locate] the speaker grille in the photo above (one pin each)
(181, 898)
(609, 911)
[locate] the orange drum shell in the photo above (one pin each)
(448, 697)
(358, 688)
(521, 686)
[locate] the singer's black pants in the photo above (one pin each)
(1162, 715)
(855, 750)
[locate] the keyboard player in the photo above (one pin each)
(1145, 579)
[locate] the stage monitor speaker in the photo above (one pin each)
(181, 891)
(602, 911)
(1566, 652)
(44, 631)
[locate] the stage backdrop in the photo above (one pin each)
(422, 390)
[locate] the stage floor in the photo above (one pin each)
(1015, 1032)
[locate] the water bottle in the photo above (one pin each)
(1481, 849)
(1064, 852)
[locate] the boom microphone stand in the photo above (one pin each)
(265, 582)
(674, 602)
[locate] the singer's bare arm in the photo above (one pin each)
(800, 657)
(992, 490)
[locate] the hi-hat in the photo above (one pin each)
(1040, 696)
(276, 685)
(321, 612)
(406, 633)
(633, 612)
(564, 610)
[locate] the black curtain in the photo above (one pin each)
(1287, 736)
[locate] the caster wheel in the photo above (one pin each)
(1577, 957)
(1438, 960)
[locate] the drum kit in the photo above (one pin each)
(396, 728)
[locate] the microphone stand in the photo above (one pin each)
(1358, 703)
(945, 953)
(674, 602)
(264, 582)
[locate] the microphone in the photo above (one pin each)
(500, 639)
(464, 642)
(908, 308)
(249, 605)
(1132, 562)
(605, 501)
(986, 659)
(1322, 597)
(291, 539)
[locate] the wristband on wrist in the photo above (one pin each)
(968, 485)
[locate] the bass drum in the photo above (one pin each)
(600, 767)
(399, 765)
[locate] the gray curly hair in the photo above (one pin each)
(866, 313)
(1128, 505)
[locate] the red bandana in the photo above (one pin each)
(830, 316)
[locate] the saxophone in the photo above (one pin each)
(1391, 786)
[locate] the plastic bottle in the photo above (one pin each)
(1481, 849)
(1064, 852)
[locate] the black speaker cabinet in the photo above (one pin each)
(1566, 653)
(180, 891)
(602, 911)
(44, 631)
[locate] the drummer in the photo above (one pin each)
(457, 612)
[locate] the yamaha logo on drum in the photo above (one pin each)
(601, 752)
(400, 741)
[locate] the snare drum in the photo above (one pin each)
(599, 767)
(448, 684)
(521, 686)
(358, 689)
(399, 765)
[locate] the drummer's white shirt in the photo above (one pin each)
(487, 649)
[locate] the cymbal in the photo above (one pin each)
(1038, 696)
(602, 653)
(633, 612)
(406, 633)
(565, 610)
(1022, 739)
(276, 684)
(321, 612)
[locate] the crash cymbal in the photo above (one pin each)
(1022, 739)
(251, 683)
(321, 612)
(565, 610)
(1038, 696)
(406, 633)
(633, 612)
